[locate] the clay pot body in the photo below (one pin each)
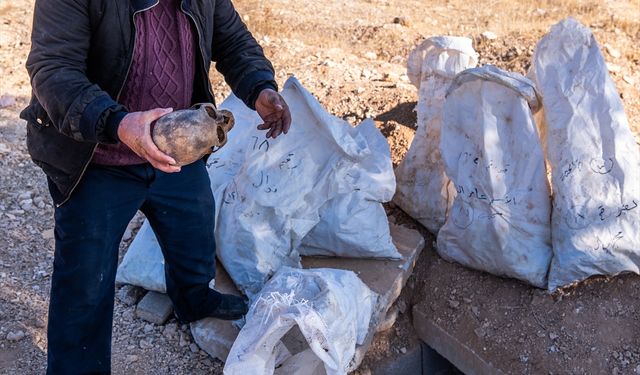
(189, 134)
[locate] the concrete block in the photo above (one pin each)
(458, 353)
(155, 308)
(385, 277)
(216, 336)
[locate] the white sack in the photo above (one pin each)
(424, 191)
(332, 308)
(274, 199)
(500, 218)
(594, 160)
(354, 225)
(143, 263)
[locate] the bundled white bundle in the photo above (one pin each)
(500, 218)
(594, 160)
(424, 191)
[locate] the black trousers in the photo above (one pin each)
(88, 230)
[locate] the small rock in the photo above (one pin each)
(475, 311)
(402, 306)
(553, 336)
(15, 336)
(184, 341)
(403, 350)
(613, 68)
(132, 358)
(615, 371)
(638, 369)
(194, 348)
(148, 328)
(129, 295)
(170, 330)
(454, 304)
(480, 332)
(488, 35)
(146, 343)
(553, 349)
(401, 20)
(25, 195)
(7, 100)
(370, 55)
(127, 234)
(48, 234)
(612, 51)
(524, 359)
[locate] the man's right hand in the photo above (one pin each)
(135, 131)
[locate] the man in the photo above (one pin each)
(102, 72)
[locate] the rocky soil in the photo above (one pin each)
(352, 56)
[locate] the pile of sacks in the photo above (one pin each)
(477, 171)
(317, 191)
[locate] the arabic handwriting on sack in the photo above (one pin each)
(596, 165)
(231, 193)
(264, 181)
(216, 163)
(462, 215)
(259, 146)
(478, 160)
(579, 217)
(601, 165)
(573, 165)
(477, 194)
(611, 246)
(289, 162)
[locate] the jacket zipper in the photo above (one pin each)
(202, 61)
(84, 169)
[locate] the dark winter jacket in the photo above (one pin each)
(80, 56)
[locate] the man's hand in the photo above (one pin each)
(135, 132)
(274, 111)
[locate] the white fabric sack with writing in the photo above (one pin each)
(423, 189)
(332, 308)
(593, 156)
(277, 192)
(354, 224)
(500, 218)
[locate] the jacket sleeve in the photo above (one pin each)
(238, 56)
(57, 65)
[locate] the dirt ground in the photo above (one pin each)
(352, 56)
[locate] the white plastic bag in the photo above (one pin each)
(424, 191)
(500, 218)
(594, 160)
(274, 198)
(332, 308)
(143, 263)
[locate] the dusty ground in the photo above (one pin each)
(352, 56)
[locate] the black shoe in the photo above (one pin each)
(230, 307)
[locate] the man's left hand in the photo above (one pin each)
(274, 111)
